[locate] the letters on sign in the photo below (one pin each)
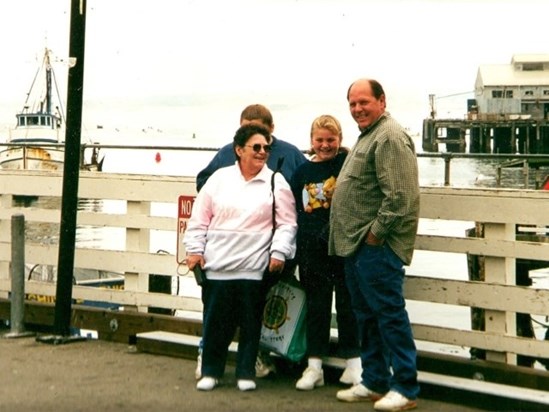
(185, 207)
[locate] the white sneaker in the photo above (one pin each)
(198, 370)
(358, 393)
(263, 365)
(246, 385)
(312, 378)
(207, 383)
(393, 402)
(351, 376)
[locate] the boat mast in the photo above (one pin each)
(48, 81)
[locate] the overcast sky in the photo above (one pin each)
(177, 52)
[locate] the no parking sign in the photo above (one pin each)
(184, 210)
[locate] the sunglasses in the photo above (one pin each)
(257, 147)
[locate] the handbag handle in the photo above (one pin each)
(277, 170)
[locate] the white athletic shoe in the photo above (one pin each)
(246, 385)
(394, 402)
(312, 378)
(358, 393)
(207, 383)
(351, 376)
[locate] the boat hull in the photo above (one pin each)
(32, 158)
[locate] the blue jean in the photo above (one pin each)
(374, 277)
(230, 305)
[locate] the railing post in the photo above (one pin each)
(5, 203)
(137, 240)
(17, 308)
(500, 270)
(498, 176)
(447, 160)
(526, 173)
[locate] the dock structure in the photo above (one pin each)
(505, 135)
(509, 114)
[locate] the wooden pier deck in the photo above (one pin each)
(96, 375)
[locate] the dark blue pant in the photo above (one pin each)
(320, 286)
(228, 305)
(374, 277)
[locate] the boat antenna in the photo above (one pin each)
(62, 109)
(30, 89)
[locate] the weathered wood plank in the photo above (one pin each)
(102, 185)
(478, 294)
(453, 292)
(111, 325)
(485, 340)
(108, 260)
(485, 247)
(477, 205)
(114, 296)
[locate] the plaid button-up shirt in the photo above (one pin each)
(378, 191)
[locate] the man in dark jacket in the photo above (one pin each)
(256, 113)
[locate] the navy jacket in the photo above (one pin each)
(226, 157)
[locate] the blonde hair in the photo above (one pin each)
(329, 122)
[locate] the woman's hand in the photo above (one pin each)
(276, 266)
(193, 260)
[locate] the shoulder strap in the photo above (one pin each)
(277, 170)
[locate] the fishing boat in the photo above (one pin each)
(37, 140)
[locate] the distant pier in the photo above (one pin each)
(493, 135)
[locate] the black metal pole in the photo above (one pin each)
(69, 202)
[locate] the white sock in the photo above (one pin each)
(315, 363)
(353, 363)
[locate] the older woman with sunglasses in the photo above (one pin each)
(230, 236)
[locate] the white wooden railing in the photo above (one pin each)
(501, 210)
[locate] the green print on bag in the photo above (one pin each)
(275, 313)
(283, 329)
